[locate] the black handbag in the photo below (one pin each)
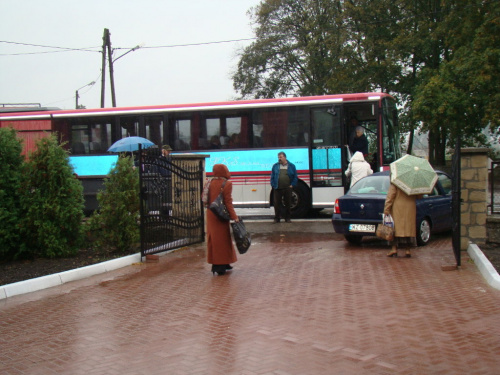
(241, 236)
(218, 207)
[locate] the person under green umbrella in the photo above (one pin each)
(403, 209)
(411, 177)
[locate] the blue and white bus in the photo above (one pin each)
(246, 135)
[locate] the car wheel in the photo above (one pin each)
(423, 232)
(355, 240)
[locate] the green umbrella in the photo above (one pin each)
(413, 175)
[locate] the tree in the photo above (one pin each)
(11, 162)
(461, 96)
(301, 49)
(116, 223)
(52, 203)
(416, 50)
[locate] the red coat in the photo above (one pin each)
(220, 248)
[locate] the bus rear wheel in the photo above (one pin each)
(301, 200)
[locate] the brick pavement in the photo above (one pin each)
(296, 303)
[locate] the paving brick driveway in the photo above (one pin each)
(301, 301)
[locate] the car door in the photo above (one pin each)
(437, 205)
(443, 204)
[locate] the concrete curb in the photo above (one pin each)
(33, 285)
(484, 265)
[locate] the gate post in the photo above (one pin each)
(474, 176)
(183, 198)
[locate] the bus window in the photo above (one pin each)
(79, 139)
(280, 127)
(233, 126)
(274, 127)
(90, 138)
(129, 126)
(100, 138)
(213, 133)
(325, 134)
(182, 135)
(154, 129)
(298, 128)
(257, 135)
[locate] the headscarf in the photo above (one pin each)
(358, 156)
(221, 172)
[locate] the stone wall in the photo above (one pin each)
(474, 180)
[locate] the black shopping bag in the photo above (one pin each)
(241, 236)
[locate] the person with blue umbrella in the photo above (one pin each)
(130, 144)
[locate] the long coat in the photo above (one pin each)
(220, 248)
(403, 210)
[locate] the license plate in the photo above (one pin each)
(361, 228)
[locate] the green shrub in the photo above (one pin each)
(115, 225)
(52, 202)
(11, 162)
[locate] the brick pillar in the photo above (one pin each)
(474, 187)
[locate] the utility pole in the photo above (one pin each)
(105, 39)
(111, 75)
(77, 96)
(107, 50)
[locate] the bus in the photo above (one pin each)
(245, 135)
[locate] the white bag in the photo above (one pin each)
(388, 220)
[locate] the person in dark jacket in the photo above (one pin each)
(283, 180)
(359, 142)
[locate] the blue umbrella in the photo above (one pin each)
(130, 144)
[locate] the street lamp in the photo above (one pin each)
(111, 74)
(130, 50)
(76, 94)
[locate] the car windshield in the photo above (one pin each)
(371, 185)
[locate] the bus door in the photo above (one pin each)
(327, 155)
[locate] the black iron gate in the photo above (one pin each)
(456, 202)
(171, 209)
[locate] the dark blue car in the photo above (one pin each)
(358, 212)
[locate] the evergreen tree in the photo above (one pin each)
(116, 224)
(11, 162)
(52, 202)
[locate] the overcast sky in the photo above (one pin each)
(147, 76)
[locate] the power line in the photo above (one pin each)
(84, 49)
(37, 53)
(88, 49)
(192, 44)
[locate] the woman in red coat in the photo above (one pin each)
(220, 248)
